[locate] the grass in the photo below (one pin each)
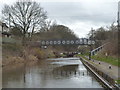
(82, 55)
(109, 59)
(62, 55)
(118, 81)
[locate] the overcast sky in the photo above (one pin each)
(79, 15)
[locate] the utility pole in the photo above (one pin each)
(118, 21)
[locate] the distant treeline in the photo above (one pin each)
(105, 35)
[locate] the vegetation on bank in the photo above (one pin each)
(109, 59)
(16, 53)
(102, 36)
(118, 81)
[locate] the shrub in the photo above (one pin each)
(40, 54)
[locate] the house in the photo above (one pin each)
(4, 30)
(0, 27)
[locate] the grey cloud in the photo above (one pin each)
(81, 16)
(89, 13)
(76, 11)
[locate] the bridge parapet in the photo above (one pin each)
(95, 51)
(82, 41)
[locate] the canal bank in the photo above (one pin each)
(106, 80)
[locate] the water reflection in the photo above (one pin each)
(51, 73)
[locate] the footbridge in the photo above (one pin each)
(81, 41)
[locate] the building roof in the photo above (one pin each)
(6, 33)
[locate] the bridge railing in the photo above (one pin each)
(81, 41)
(95, 51)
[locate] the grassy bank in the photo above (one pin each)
(118, 81)
(111, 60)
(82, 55)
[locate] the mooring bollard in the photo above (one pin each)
(99, 62)
(110, 66)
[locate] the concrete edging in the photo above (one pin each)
(106, 83)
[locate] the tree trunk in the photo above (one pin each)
(24, 39)
(32, 33)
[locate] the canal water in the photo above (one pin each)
(51, 73)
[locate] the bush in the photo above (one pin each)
(11, 49)
(32, 58)
(40, 54)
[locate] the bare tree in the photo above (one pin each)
(27, 16)
(46, 26)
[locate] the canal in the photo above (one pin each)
(51, 73)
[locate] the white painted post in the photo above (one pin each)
(110, 66)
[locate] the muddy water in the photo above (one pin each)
(51, 73)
